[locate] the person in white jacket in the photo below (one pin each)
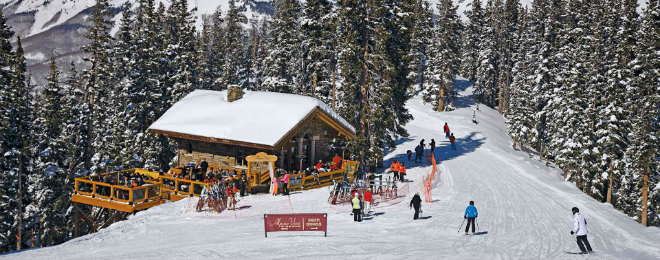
(580, 230)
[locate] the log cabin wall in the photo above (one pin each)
(193, 151)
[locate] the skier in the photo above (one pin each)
(402, 171)
(446, 129)
(395, 167)
(417, 203)
(410, 153)
(474, 116)
(432, 145)
(470, 214)
(421, 143)
(580, 230)
(452, 140)
(356, 208)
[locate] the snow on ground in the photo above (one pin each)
(524, 206)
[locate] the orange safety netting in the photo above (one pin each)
(429, 180)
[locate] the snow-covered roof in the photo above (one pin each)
(257, 118)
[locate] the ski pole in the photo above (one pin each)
(476, 220)
(459, 229)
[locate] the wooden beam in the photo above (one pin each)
(111, 219)
(211, 139)
(89, 221)
(102, 203)
(76, 218)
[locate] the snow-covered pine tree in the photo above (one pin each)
(642, 154)
(50, 152)
(7, 184)
(17, 125)
(472, 39)
(444, 56)
(510, 23)
(421, 39)
(100, 83)
(234, 41)
(612, 120)
(487, 67)
(399, 24)
(181, 72)
(282, 67)
(366, 73)
(522, 107)
(317, 31)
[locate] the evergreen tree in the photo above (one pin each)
(317, 31)
(421, 40)
(282, 65)
(472, 39)
(100, 83)
(444, 57)
(235, 67)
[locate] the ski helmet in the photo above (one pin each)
(471, 202)
(575, 210)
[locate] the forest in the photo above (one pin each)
(577, 80)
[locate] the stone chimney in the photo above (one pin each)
(234, 93)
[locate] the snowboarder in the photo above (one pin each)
(446, 129)
(432, 145)
(452, 140)
(357, 217)
(395, 168)
(470, 214)
(417, 203)
(402, 171)
(580, 230)
(474, 117)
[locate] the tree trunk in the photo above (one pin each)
(514, 142)
(334, 75)
(441, 101)
(500, 101)
(19, 214)
(645, 193)
(609, 189)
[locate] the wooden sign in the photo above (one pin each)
(296, 222)
(261, 157)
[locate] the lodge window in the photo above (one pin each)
(189, 147)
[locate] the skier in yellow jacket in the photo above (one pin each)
(357, 205)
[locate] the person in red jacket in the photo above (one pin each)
(368, 200)
(395, 167)
(452, 140)
(319, 166)
(446, 129)
(337, 161)
(402, 171)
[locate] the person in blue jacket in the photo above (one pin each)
(470, 214)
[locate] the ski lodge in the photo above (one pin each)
(235, 131)
(224, 127)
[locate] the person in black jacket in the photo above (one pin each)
(243, 184)
(432, 145)
(203, 166)
(417, 203)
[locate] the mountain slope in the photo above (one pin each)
(524, 206)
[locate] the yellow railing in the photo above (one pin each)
(116, 192)
(182, 186)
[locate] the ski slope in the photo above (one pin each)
(524, 206)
